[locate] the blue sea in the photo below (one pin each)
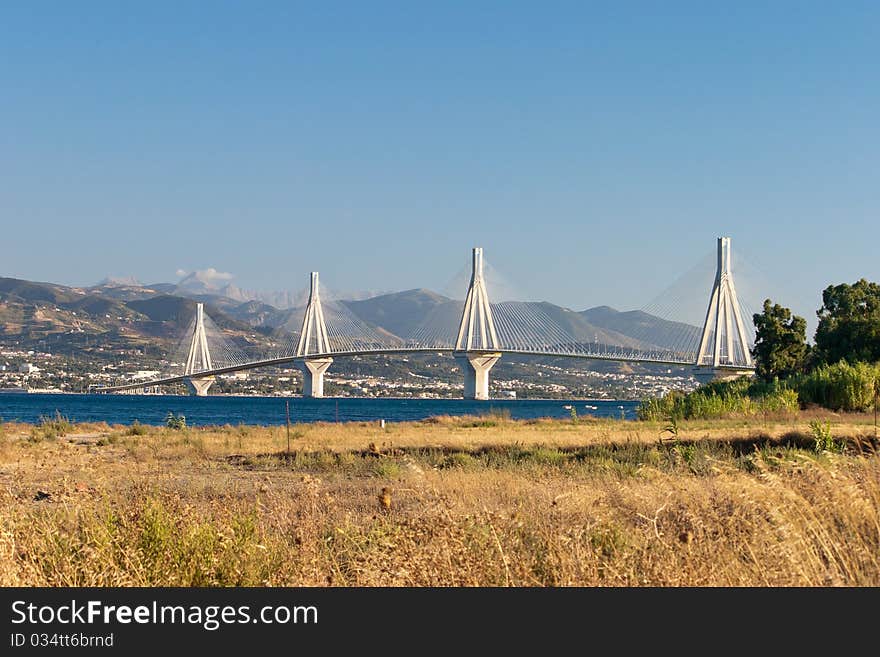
(222, 409)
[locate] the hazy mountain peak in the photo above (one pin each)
(602, 310)
(119, 281)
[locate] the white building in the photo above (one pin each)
(145, 374)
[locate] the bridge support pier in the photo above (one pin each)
(199, 387)
(706, 374)
(314, 339)
(476, 348)
(476, 365)
(199, 358)
(724, 352)
(313, 375)
(724, 340)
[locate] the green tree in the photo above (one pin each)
(849, 323)
(780, 342)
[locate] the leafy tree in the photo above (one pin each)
(780, 342)
(849, 323)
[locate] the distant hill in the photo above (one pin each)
(13, 288)
(210, 283)
(120, 307)
(34, 312)
(180, 311)
(643, 327)
(401, 313)
(166, 308)
(404, 313)
(15, 291)
(588, 332)
(254, 313)
(123, 291)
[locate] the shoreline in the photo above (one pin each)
(327, 397)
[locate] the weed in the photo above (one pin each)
(459, 460)
(137, 429)
(672, 426)
(607, 541)
(50, 428)
(109, 439)
(822, 437)
(688, 454)
(548, 456)
(387, 469)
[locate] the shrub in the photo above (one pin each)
(176, 422)
(137, 429)
(50, 428)
(838, 387)
(841, 386)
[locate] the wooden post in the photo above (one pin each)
(876, 399)
(287, 405)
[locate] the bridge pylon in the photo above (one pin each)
(313, 325)
(199, 358)
(723, 343)
(477, 347)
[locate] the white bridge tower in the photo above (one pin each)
(724, 343)
(477, 346)
(314, 326)
(199, 358)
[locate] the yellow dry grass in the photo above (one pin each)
(446, 502)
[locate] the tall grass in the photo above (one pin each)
(155, 542)
(745, 397)
(745, 512)
(50, 428)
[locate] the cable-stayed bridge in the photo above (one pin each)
(477, 332)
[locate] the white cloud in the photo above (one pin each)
(202, 280)
(211, 275)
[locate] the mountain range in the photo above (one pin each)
(136, 312)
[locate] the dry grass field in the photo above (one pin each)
(476, 501)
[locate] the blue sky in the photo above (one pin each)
(595, 150)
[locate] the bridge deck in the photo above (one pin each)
(271, 362)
